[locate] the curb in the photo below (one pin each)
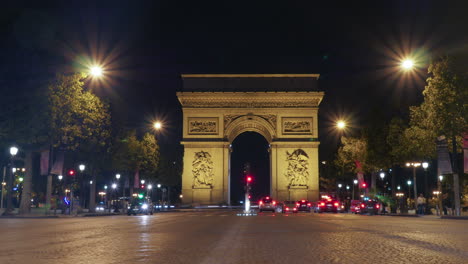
(402, 215)
(454, 217)
(95, 215)
(28, 217)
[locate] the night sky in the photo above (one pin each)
(145, 46)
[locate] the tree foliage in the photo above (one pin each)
(444, 110)
(131, 154)
(76, 115)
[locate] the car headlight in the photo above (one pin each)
(144, 206)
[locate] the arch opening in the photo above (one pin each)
(249, 156)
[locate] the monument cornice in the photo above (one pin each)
(249, 99)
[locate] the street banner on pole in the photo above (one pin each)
(360, 175)
(465, 153)
(57, 168)
(45, 162)
(136, 182)
(443, 156)
(126, 183)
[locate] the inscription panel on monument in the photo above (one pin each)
(297, 125)
(203, 125)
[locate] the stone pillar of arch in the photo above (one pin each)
(218, 108)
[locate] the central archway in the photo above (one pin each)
(249, 156)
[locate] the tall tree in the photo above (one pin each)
(444, 110)
(133, 155)
(78, 119)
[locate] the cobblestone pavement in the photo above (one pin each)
(224, 237)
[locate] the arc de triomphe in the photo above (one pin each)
(217, 108)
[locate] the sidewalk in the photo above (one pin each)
(41, 213)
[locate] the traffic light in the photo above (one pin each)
(249, 179)
(142, 186)
(71, 172)
(364, 185)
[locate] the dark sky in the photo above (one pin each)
(146, 45)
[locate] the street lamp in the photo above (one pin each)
(414, 165)
(409, 190)
(95, 71)
(341, 124)
(157, 125)
(13, 151)
(142, 181)
(60, 177)
(355, 183)
(407, 64)
(117, 176)
(382, 175)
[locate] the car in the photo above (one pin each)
(354, 206)
(303, 205)
(140, 206)
(370, 207)
(267, 204)
(289, 207)
(329, 205)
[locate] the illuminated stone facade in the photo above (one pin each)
(283, 108)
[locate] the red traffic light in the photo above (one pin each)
(71, 172)
(364, 185)
(249, 179)
(142, 186)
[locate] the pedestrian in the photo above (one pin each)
(421, 203)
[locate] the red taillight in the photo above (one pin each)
(362, 205)
(287, 209)
(336, 204)
(322, 204)
(297, 204)
(274, 202)
(303, 201)
(260, 202)
(309, 204)
(294, 208)
(377, 206)
(268, 197)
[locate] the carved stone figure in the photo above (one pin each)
(297, 172)
(202, 170)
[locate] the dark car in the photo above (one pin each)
(328, 205)
(371, 207)
(303, 206)
(289, 207)
(140, 206)
(267, 204)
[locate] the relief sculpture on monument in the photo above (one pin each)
(203, 125)
(298, 164)
(202, 169)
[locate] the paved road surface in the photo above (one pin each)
(224, 237)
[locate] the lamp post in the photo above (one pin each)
(9, 210)
(382, 177)
(355, 183)
(439, 187)
(409, 189)
(150, 190)
(339, 190)
(414, 165)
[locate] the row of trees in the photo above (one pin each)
(444, 111)
(63, 116)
